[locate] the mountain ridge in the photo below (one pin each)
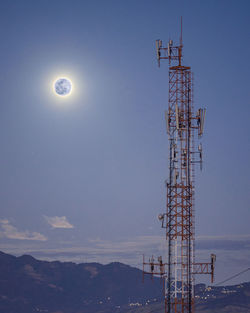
(69, 287)
(28, 285)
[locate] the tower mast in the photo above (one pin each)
(178, 220)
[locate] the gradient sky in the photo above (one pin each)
(85, 175)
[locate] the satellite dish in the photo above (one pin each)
(161, 217)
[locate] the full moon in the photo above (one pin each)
(63, 86)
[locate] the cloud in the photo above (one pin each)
(11, 232)
(233, 252)
(58, 222)
(229, 243)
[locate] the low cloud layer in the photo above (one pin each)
(58, 222)
(233, 253)
(9, 231)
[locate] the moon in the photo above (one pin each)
(63, 87)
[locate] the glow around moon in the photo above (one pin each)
(62, 87)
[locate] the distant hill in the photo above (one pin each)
(28, 285)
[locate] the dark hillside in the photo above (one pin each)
(40, 285)
(28, 285)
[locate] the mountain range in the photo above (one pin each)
(28, 285)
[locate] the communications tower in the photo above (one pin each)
(183, 126)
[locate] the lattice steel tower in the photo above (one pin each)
(182, 125)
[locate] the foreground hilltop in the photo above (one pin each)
(28, 285)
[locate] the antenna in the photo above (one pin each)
(158, 47)
(200, 116)
(167, 121)
(177, 116)
(181, 33)
(203, 120)
(171, 52)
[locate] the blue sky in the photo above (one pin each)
(92, 168)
